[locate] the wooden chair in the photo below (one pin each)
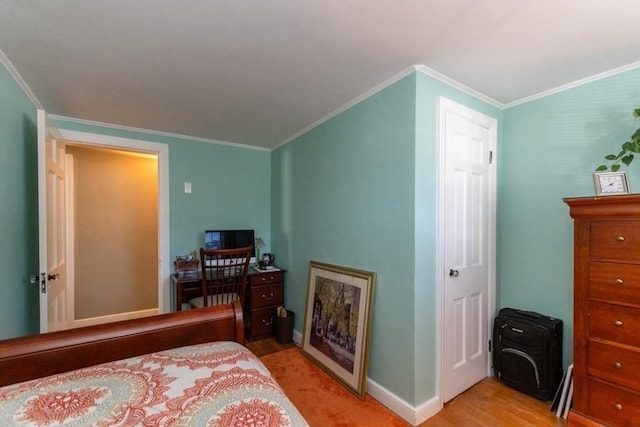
(224, 276)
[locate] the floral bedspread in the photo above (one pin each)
(214, 384)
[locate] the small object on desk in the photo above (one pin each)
(265, 268)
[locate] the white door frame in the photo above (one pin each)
(445, 104)
(162, 151)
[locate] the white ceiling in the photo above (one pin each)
(257, 72)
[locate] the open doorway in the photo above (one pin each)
(112, 233)
(119, 229)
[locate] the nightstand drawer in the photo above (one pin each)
(615, 240)
(615, 323)
(262, 296)
(262, 321)
(265, 278)
(615, 363)
(614, 405)
(614, 282)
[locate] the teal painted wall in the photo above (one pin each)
(550, 149)
(230, 184)
(18, 211)
(343, 194)
(360, 190)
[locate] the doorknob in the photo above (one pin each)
(53, 276)
(453, 273)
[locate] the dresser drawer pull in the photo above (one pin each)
(267, 322)
(270, 296)
(619, 281)
(618, 365)
(620, 238)
(270, 278)
(618, 406)
(619, 323)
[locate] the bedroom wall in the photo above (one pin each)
(360, 190)
(230, 186)
(231, 189)
(18, 210)
(343, 194)
(551, 147)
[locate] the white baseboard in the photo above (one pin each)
(414, 415)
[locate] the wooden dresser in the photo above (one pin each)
(606, 341)
(265, 292)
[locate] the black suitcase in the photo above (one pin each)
(527, 353)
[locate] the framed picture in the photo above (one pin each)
(337, 322)
(610, 183)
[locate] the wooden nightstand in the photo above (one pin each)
(265, 292)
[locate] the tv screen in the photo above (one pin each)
(230, 239)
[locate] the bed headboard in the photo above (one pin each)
(36, 356)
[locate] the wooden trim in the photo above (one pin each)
(36, 356)
(606, 206)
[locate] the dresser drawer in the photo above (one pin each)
(615, 363)
(615, 239)
(265, 278)
(262, 321)
(614, 282)
(614, 405)
(615, 323)
(264, 295)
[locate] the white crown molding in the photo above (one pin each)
(156, 132)
(575, 84)
(18, 78)
(457, 85)
(402, 74)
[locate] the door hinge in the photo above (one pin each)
(490, 347)
(490, 156)
(43, 283)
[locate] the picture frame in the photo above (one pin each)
(337, 322)
(610, 183)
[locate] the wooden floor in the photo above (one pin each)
(487, 404)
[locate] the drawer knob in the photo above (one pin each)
(618, 406)
(618, 365)
(270, 296)
(267, 322)
(620, 238)
(619, 323)
(619, 281)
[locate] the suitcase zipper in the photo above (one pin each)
(527, 357)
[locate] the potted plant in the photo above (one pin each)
(627, 151)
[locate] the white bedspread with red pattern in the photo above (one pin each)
(214, 384)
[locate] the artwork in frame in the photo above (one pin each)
(337, 322)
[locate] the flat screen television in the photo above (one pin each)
(230, 239)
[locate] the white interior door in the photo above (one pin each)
(52, 225)
(468, 141)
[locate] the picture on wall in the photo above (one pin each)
(337, 322)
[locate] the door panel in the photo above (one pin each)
(52, 225)
(467, 240)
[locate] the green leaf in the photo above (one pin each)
(601, 168)
(610, 157)
(627, 159)
(636, 112)
(627, 146)
(615, 168)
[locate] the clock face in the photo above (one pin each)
(611, 183)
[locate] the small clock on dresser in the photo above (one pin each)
(610, 183)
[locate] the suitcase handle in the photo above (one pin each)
(530, 314)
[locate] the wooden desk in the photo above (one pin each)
(263, 295)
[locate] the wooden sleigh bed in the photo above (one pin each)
(185, 368)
